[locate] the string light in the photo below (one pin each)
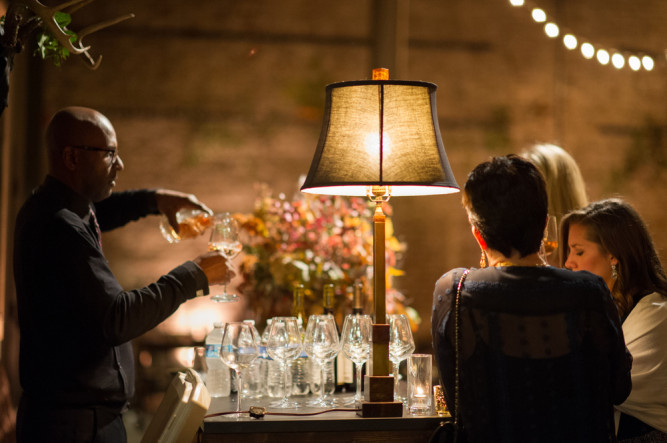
(618, 60)
(551, 29)
(539, 15)
(603, 56)
(635, 61)
(587, 50)
(647, 62)
(570, 41)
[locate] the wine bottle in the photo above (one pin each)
(343, 368)
(298, 305)
(357, 300)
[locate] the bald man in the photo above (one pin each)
(76, 321)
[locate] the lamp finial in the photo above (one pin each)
(380, 74)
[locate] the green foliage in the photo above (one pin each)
(47, 45)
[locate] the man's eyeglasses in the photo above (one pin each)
(112, 152)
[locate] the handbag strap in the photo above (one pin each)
(457, 346)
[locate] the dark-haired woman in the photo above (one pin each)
(542, 356)
(609, 238)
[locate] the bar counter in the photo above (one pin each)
(336, 426)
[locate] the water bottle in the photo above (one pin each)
(300, 370)
(252, 381)
(264, 358)
(272, 371)
(316, 376)
(217, 377)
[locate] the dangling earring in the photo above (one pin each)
(482, 260)
(614, 272)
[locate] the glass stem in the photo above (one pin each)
(396, 397)
(239, 391)
(284, 365)
(358, 367)
(323, 381)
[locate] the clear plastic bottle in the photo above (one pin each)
(300, 369)
(316, 375)
(271, 371)
(263, 358)
(217, 377)
(252, 381)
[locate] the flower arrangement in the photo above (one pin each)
(314, 240)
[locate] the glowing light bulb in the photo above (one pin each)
(516, 2)
(618, 60)
(603, 56)
(587, 50)
(648, 63)
(551, 29)
(570, 41)
(634, 63)
(539, 15)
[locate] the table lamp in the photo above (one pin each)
(380, 138)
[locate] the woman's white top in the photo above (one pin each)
(645, 331)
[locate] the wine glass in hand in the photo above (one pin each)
(284, 345)
(239, 349)
(401, 345)
(322, 344)
(550, 241)
(356, 339)
(225, 238)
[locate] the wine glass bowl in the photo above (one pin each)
(284, 345)
(225, 238)
(356, 344)
(401, 345)
(550, 240)
(322, 343)
(239, 349)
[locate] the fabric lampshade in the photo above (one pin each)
(382, 133)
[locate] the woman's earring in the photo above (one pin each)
(482, 260)
(614, 272)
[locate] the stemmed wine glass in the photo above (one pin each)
(401, 345)
(239, 349)
(356, 339)
(284, 345)
(322, 344)
(225, 238)
(550, 240)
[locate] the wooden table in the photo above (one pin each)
(337, 426)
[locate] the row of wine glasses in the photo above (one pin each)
(320, 342)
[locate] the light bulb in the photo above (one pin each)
(539, 15)
(603, 56)
(634, 63)
(647, 62)
(570, 41)
(516, 2)
(618, 60)
(587, 50)
(551, 29)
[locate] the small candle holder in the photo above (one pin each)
(439, 402)
(419, 384)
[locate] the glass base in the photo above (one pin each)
(326, 402)
(225, 298)
(285, 403)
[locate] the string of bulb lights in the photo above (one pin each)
(636, 61)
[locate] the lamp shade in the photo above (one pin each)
(380, 133)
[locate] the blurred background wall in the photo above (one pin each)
(215, 96)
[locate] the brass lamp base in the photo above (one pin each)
(379, 398)
(381, 409)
